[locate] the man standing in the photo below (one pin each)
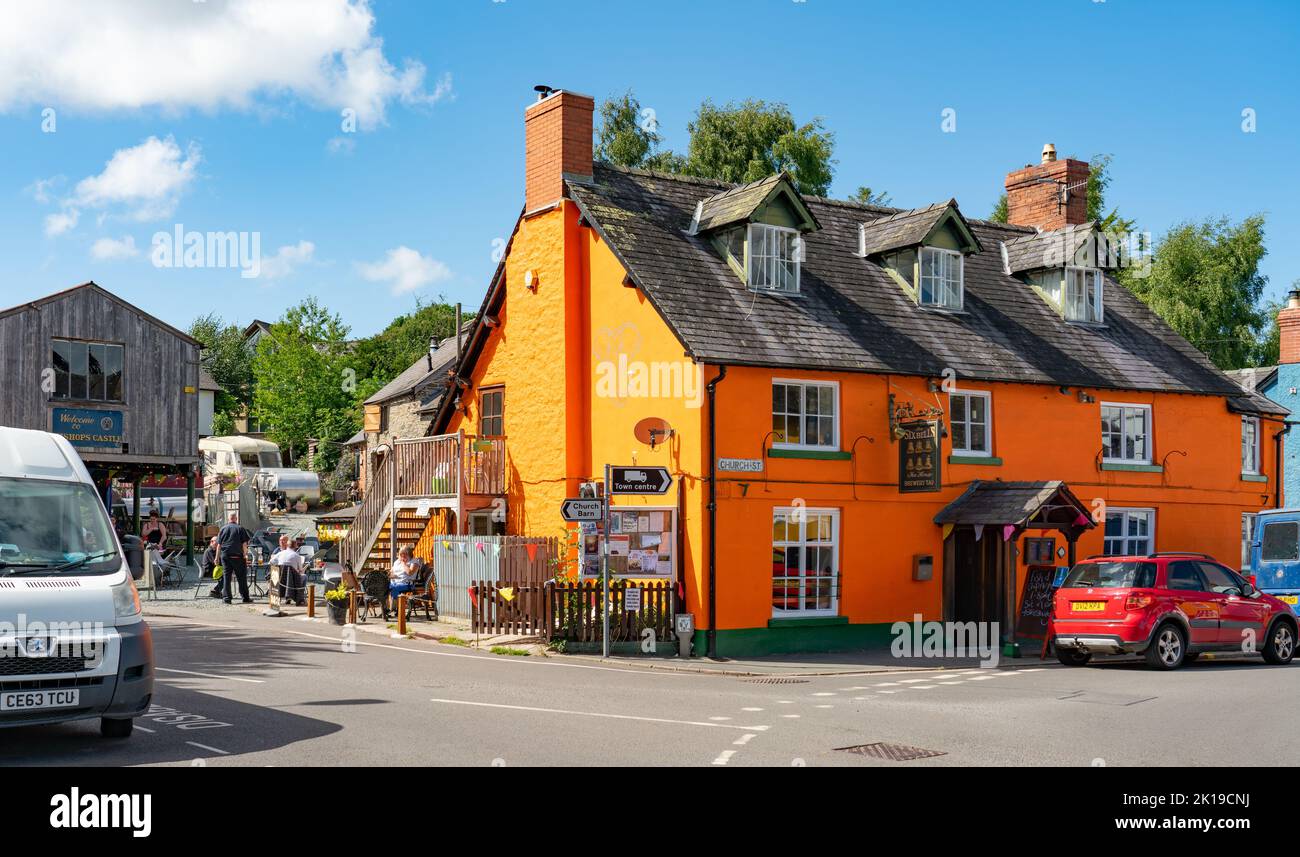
(290, 562)
(232, 542)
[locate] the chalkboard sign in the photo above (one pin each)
(1036, 602)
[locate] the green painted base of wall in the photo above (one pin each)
(792, 639)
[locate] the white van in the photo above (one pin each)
(73, 644)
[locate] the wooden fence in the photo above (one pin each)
(571, 610)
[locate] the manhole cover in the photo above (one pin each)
(892, 752)
(776, 680)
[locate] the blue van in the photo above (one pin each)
(1275, 555)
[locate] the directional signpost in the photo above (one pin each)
(582, 509)
(625, 480)
(639, 480)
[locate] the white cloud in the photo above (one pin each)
(405, 270)
(143, 182)
(61, 222)
(108, 248)
(286, 259)
(242, 54)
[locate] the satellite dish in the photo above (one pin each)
(652, 431)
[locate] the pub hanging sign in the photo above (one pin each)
(918, 457)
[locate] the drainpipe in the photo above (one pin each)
(712, 389)
(1277, 464)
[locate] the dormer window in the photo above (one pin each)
(773, 257)
(941, 278)
(1083, 295)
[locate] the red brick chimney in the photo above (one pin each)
(1050, 195)
(557, 143)
(1288, 325)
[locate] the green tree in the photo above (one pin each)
(230, 363)
(745, 142)
(305, 381)
(627, 136)
(1205, 283)
(382, 357)
(867, 196)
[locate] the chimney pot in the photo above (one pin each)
(1049, 153)
(1037, 195)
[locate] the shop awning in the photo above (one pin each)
(1022, 504)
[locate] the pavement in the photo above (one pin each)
(236, 688)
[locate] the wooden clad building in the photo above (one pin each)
(120, 384)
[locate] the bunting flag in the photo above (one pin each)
(507, 592)
(1007, 531)
(531, 547)
(947, 530)
(479, 545)
(473, 594)
(979, 532)
(1082, 520)
(446, 545)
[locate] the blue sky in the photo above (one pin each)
(244, 111)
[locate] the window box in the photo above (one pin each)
(812, 454)
(975, 459)
(807, 621)
(1253, 477)
(1132, 468)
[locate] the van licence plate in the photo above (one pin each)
(23, 700)
(1293, 600)
(1088, 606)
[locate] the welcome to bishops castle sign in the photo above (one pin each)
(88, 428)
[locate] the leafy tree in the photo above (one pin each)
(867, 196)
(305, 381)
(1205, 283)
(750, 141)
(625, 137)
(230, 363)
(382, 357)
(999, 213)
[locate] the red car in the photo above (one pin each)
(1170, 607)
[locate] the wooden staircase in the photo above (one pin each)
(414, 490)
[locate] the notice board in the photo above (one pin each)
(642, 544)
(1036, 602)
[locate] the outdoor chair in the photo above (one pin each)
(374, 594)
(424, 596)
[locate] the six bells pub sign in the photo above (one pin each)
(918, 456)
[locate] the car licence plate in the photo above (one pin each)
(1088, 606)
(23, 700)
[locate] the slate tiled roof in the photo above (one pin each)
(901, 230)
(1255, 402)
(1059, 248)
(735, 205)
(850, 315)
(421, 373)
(993, 503)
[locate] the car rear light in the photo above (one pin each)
(1137, 602)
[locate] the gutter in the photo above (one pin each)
(712, 389)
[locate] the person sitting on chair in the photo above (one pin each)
(401, 578)
(292, 585)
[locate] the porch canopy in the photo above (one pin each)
(1049, 505)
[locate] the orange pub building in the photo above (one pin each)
(868, 413)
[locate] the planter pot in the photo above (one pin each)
(338, 612)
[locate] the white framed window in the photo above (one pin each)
(1126, 433)
(1250, 445)
(970, 421)
(1130, 532)
(1083, 295)
(1247, 536)
(941, 278)
(805, 562)
(805, 414)
(773, 257)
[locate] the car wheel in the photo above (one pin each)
(1073, 657)
(113, 727)
(1280, 646)
(1169, 648)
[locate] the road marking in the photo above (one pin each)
(886, 691)
(743, 740)
(719, 718)
(823, 706)
(888, 684)
(923, 687)
(724, 757)
(823, 694)
(751, 709)
(600, 714)
(143, 729)
(785, 702)
(790, 716)
(912, 681)
(981, 677)
(211, 675)
(206, 747)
